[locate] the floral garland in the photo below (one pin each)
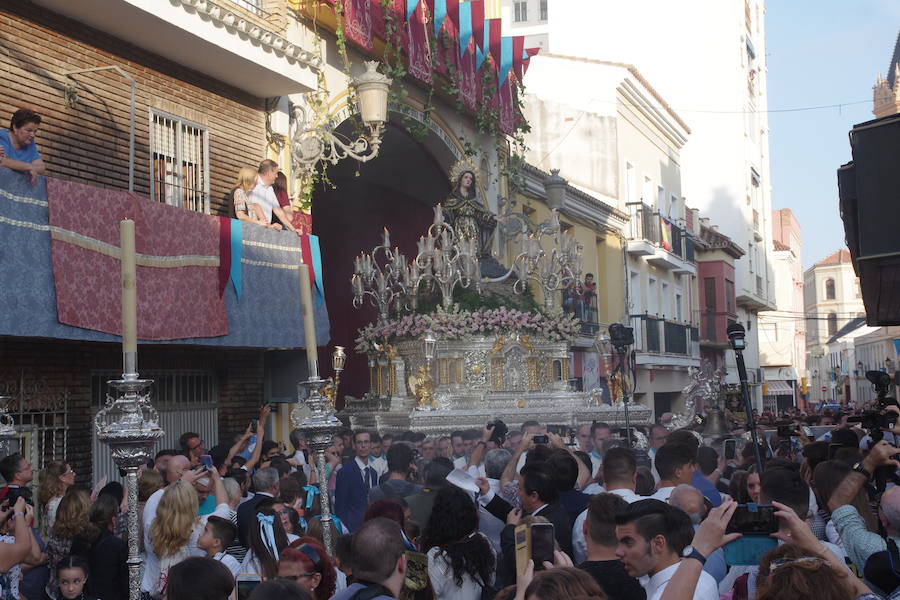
(458, 324)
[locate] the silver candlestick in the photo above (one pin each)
(8, 431)
(129, 425)
(319, 428)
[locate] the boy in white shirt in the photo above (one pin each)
(218, 534)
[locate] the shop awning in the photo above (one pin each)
(778, 387)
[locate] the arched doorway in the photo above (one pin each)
(396, 190)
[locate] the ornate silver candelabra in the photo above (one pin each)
(444, 260)
(555, 270)
(382, 277)
(129, 425)
(319, 428)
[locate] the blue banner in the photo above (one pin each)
(465, 26)
(440, 13)
(411, 6)
(506, 59)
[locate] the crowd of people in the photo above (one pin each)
(420, 517)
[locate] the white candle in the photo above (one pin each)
(129, 286)
(387, 238)
(309, 324)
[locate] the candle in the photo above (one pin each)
(309, 324)
(129, 286)
(387, 239)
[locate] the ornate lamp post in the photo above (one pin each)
(555, 187)
(128, 423)
(311, 143)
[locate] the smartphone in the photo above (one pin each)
(253, 425)
(753, 519)
(541, 439)
(730, 449)
(542, 544)
(207, 461)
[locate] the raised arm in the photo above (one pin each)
(239, 446)
(260, 437)
(584, 474)
(481, 447)
(17, 552)
(509, 473)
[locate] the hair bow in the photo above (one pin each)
(267, 533)
(311, 492)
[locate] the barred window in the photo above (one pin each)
(179, 155)
(543, 10)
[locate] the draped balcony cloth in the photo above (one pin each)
(268, 315)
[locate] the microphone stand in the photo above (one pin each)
(748, 406)
(622, 351)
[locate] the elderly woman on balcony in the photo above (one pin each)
(18, 150)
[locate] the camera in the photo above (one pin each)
(873, 419)
(620, 336)
(541, 439)
(498, 431)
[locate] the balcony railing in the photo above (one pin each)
(646, 225)
(760, 291)
(656, 335)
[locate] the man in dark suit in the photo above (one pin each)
(265, 482)
(539, 497)
(353, 482)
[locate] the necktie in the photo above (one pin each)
(370, 477)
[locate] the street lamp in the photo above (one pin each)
(555, 186)
(318, 141)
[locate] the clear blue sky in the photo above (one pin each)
(821, 52)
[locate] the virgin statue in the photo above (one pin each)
(467, 215)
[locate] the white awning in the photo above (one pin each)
(779, 387)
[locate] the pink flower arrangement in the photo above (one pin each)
(456, 324)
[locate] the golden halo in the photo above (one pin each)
(461, 166)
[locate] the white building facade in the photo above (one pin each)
(707, 59)
(626, 152)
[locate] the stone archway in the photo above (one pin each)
(396, 190)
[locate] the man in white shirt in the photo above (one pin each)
(676, 464)
(653, 539)
(620, 475)
(264, 194)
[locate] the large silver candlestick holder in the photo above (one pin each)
(319, 428)
(8, 431)
(129, 425)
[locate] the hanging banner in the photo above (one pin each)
(358, 23)
(411, 6)
(506, 60)
(417, 48)
(529, 52)
(478, 22)
(465, 26)
(438, 13)
(468, 78)
(519, 55)
(508, 115)
(494, 27)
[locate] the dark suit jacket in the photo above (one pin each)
(574, 502)
(246, 514)
(555, 513)
(351, 496)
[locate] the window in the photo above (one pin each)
(647, 197)
(729, 296)
(709, 293)
(179, 162)
(661, 201)
(652, 297)
(630, 183)
(543, 10)
(829, 289)
(521, 11)
(832, 324)
(750, 255)
(666, 301)
(679, 307)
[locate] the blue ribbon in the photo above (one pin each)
(465, 26)
(440, 13)
(311, 492)
(506, 59)
(237, 246)
(267, 532)
(316, 258)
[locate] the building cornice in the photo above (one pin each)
(236, 23)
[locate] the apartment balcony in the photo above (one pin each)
(201, 279)
(239, 42)
(664, 244)
(662, 342)
(713, 329)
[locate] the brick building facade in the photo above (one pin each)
(87, 140)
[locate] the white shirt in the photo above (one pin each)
(151, 560)
(229, 561)
(264, 196)
(579, 543)
(461, 462)
(706, 586)
(363, 465)
(440, 573)
(379, 464)
(663, 493)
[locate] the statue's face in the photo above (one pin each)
(465, 180)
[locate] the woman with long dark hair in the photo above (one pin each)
(460, 560)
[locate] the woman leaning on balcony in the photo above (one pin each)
(18, 150)
(243, 208)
